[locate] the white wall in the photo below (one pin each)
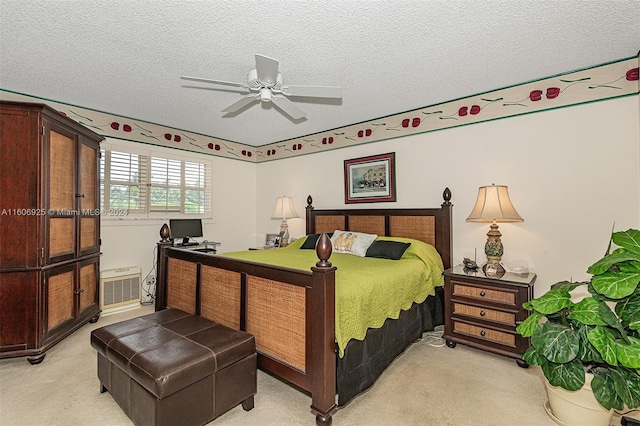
(571, 173)
(234, 192)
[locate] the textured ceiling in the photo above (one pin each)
(126, 57)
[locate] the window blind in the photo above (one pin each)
(155, 186)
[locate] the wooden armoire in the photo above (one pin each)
(49, 228)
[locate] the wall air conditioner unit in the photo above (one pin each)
(120, 289)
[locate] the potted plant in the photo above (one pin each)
(595, 335)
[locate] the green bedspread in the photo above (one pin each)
(368, 290)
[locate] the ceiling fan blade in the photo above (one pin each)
(313, 91)
(237, 106)
(267, 69)
(208, 80)
(288, 107)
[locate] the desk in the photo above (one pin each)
(210, 247)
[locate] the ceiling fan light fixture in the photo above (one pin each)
(265, 95)
(265, 84)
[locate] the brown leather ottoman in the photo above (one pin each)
(171, 368)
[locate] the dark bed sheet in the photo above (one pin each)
(365, 360)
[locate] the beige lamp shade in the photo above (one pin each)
(493, 205)
(284, 209)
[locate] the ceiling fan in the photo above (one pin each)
(265, 84)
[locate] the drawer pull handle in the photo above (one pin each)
(482, 313)
(482, 333)
(482, 293)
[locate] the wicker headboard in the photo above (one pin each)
(431, 225)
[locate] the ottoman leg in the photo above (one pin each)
(247, 404)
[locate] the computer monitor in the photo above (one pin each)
(185, 229)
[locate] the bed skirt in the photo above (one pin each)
(365, 360)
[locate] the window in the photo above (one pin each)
(150, 184)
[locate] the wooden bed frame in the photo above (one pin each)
(290, 312)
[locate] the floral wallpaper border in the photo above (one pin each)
(607, 81)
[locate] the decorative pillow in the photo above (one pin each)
(352, 242)
(312, 239)
(387, 249)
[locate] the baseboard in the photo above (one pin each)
(121, 308)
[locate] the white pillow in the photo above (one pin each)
(352, 242)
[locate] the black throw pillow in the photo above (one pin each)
(387, 249)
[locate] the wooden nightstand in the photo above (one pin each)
(483, 312)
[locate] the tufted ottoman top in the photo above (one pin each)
(169, 350)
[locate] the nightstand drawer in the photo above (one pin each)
(484, 293)
(484, 313)
(484, 333)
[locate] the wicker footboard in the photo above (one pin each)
(290, 312)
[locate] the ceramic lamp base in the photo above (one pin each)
(493, 270)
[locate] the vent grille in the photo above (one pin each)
(120, 287)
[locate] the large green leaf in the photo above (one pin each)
(632, 380)
(604, 340)
(629, 353)
(609, 260)
(611, 319)
(532, 357)
(552, 301)
(616, 285)
(586, 311)
(629, 312)
(557, 343)
(569, 376)
(587, 353)
(528, 326)
(629, 239)
(604, 389)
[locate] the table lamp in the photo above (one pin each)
(493, 205)
(284, 209)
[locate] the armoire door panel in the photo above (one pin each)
(88, 287)
(88, 233)
(89, 198)
(61, 236)
(60, 298)
(88, 178)
(61, 172)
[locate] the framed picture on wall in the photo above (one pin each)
(370, 179)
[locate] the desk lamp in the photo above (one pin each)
(493, 205)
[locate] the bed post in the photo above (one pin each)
(311, 226)
(445, 237)
(161, 269)
(323, 387)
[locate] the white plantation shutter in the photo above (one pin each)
(166, 190)
(197, 195)
(155, 186)
(122, 182)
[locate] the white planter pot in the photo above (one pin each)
(579, 408)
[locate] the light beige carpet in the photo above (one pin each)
(426, 385)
